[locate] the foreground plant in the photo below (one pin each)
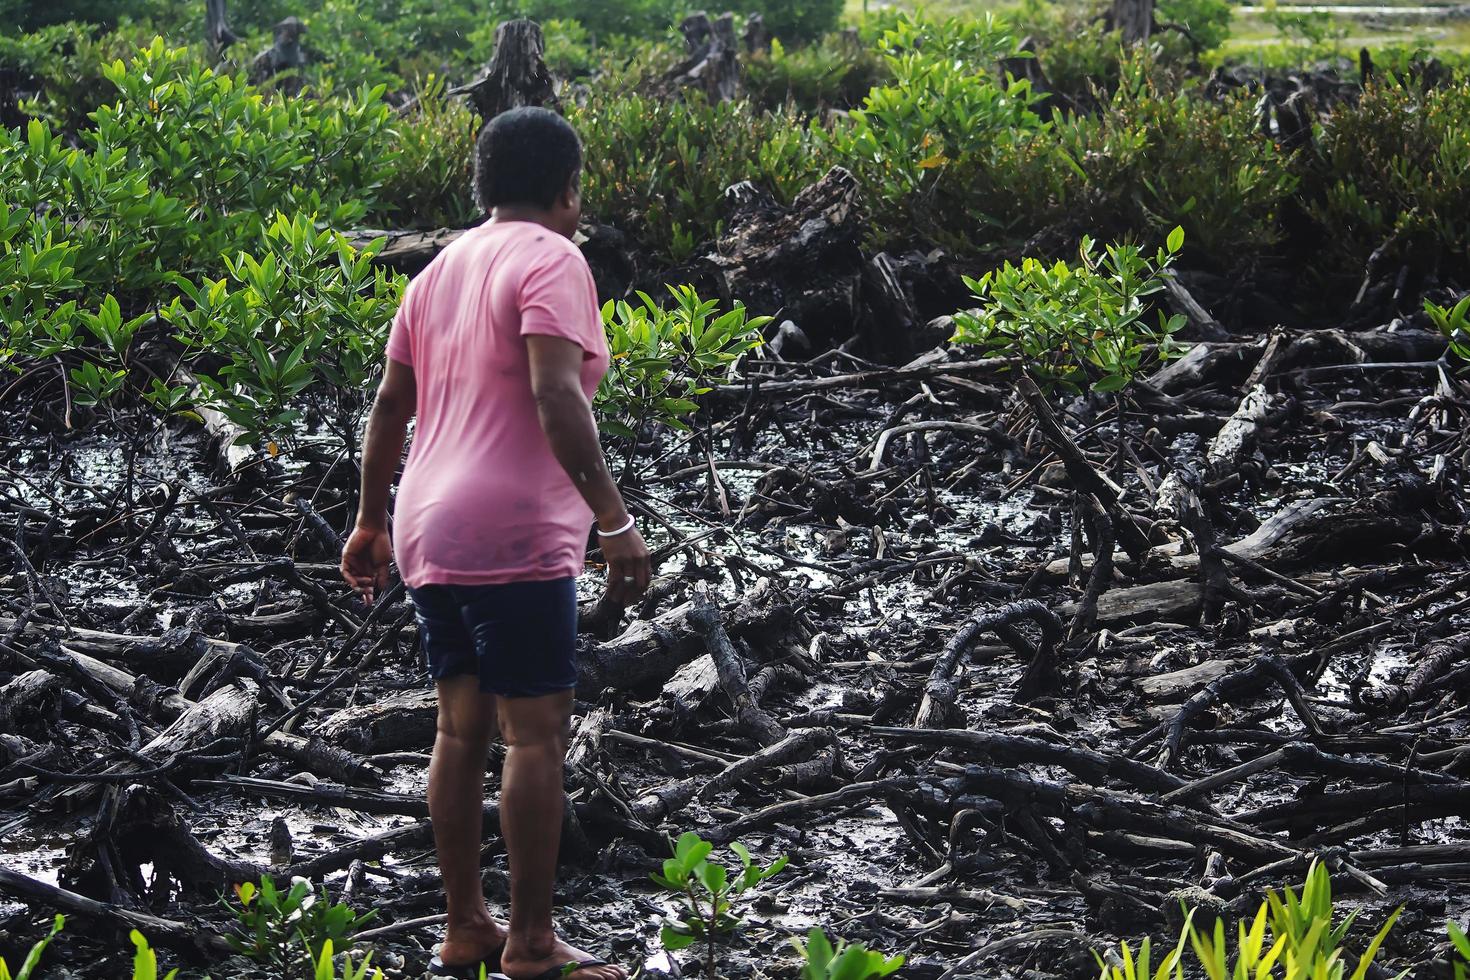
(276, 926)
(1122, 965)
(1291, 937)
(823, 961)
(1461, 952)
(307, 308)
(1082, 326)
(33, 958)
(706, 893)
(1454, 323)
(145, 960)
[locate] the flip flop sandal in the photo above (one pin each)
(567, 969)
(464, 971)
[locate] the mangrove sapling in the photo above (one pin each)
(705, 893)
(277, 925)
(326, 966)
(664, 358)
(1080, 326)
(823, 961)
(145, 960)
(1454, 323)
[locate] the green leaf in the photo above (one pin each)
(712, 876)
(1459, 939)
(674, 941)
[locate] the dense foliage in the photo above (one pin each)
(152, 196)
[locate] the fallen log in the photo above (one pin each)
(405, 720)
(749, 715)
(314, 754)
(651, 650)
(224, 714)
(171, 931)
(1007, 749)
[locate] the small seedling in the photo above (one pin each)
(326, 967)
(145, 960)
(823, 961)
(276, 925)
(706, 892)
(1454, 323)
(1120, 964)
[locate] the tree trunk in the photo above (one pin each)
(757, 39)
(516, 76)
(217, 33)
(713, 64)
(1134, 18)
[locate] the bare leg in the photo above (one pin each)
(456, 807)
(531, 802)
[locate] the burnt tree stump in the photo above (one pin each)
(755, 36)
(713, 64)
(286, 55)
(804, 263)
(516, 76)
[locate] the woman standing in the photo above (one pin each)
(497, 348)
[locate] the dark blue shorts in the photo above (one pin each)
(520, 638)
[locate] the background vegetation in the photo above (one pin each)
(173, 232)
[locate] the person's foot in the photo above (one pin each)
(528, 959)
(471, 943)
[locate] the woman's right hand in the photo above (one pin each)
(628, 566)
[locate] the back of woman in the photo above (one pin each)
(483, 500)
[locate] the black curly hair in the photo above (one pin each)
(525, 156)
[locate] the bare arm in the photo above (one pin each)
(368, 552)
(566, 418)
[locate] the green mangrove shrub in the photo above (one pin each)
(66, 61)
(1154, 157)
(1079, 326)
(946, 148)
(823, 961)
(664, 357)
(821, 74)
(1392, 172)
(434, 150)
(658, 169)
(235, 158)
(705, 892)
(306, 310)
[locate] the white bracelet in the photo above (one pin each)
(622, 530)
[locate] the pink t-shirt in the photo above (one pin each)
(483, 500)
